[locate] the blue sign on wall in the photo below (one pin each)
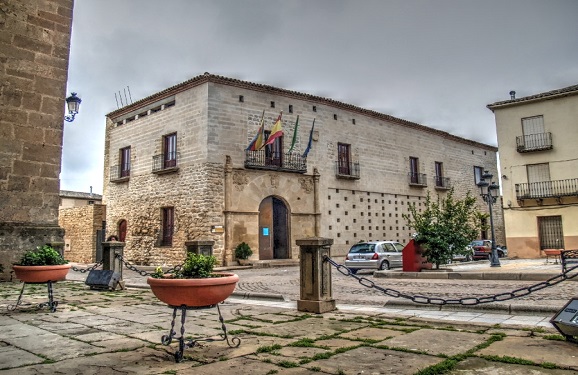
(265, 231)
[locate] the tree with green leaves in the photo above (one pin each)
(445, 226)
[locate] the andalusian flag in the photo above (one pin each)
(294, 134)
(258, 141)
(276, 131)
(310, 141)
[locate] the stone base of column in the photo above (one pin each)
(317, 307)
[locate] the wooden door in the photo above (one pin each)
(266, 229)
(273, 229)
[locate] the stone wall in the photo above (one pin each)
(215, 121)
(34, 50)
(81, 225)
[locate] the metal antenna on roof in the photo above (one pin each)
(120, 96)
(129, 96)
(125, 99)
(115, 98)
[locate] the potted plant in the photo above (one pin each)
(243, 252)
(41, 265)
(194, 284)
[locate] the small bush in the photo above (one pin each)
(42, 256)
(243, 251)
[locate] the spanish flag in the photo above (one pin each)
(276, 131)
(258, 141)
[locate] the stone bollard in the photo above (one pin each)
(315, 275)
(111, 274)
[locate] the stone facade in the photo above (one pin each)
(34, 50)
(541, 209)
(212, 186)
(81, 225)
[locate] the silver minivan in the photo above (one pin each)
(379, 255)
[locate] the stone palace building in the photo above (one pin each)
(178, 172)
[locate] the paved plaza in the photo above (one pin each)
(119, 332)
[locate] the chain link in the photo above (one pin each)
(142, 272)
(467, 301)
(88, 269)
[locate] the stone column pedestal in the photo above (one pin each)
(315, 276)
(109, 259)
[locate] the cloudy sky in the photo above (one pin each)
(434, 62)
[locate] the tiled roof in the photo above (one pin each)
(79, 195)
(570, 90)
(208, 77)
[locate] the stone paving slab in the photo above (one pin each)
(119, 333)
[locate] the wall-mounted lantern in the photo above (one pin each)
(73, 105)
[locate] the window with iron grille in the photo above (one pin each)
(414, 170)
(125, 162)
(170, 150)
(168, 225)
(343, 159)
(550, 232)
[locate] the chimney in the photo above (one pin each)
(91, 190)
(512, 95)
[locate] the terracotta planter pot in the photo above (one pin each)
(41, 274)
(194, 292)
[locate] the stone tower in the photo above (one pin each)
(34, 53)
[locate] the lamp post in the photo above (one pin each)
(489, 193)
(73, 104)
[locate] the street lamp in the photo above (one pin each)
(73, 104)
(489, 193)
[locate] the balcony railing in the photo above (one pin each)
(442, 183)
(347, 170)
(166, 163)
(119, 174)
(417, 179)
(262, 159)
(547, 189)
(534, 142)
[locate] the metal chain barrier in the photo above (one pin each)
(141, 272)
(88, 269)
(462, 301)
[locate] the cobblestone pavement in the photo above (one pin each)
(119, 332)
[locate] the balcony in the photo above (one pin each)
(263, 159)
(442, 183)
(417, 179)
(534, 142)
(166, 164)
(117, 174)
(547, 189)
(348, 171)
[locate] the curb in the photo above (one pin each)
(456, 275)
(510, 309)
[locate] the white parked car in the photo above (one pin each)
(377, 255)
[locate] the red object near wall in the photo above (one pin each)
(413, 260)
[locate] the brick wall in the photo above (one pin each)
(80, 225)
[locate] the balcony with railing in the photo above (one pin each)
(119, 174)
(349, 171)
(442, 183)
(547, 189)
(264, 159)
(417, 179)
(164, 163)
(534, 142)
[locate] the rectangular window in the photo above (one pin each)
(344, 159)
(550, 232)
(125, 162)
(478, 172)
(439, 167)
(170, 150)
(168, 225)
(539, 179)
(413, 170)
(274, 151)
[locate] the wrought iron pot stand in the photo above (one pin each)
(51, 303)
(233, 342)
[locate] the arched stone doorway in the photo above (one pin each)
(122, 230)
(273, 229)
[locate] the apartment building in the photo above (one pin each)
(537, 137)
(182, 168)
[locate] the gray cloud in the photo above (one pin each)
(437, 63)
